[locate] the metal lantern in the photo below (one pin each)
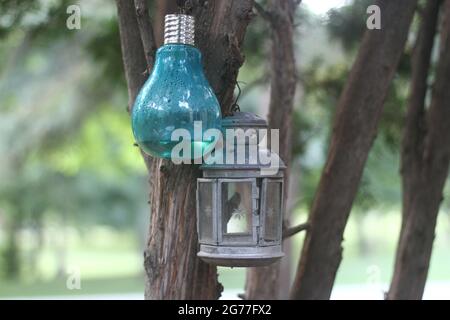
(239, 206)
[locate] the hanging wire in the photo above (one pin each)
(181, 6)
(235, 106)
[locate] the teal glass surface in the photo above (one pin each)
(176, 94)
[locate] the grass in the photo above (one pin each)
(109, 262)
(57, 287)
(376, 265)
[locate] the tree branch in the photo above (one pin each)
(133, 55)
(290, 231)
(354, 129)
(425, 158)
(132, 50)
(266, 15)
(415, 129)
(146, 31)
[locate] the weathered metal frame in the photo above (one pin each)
(255, 251)
(263, 212)
(213, 183)
(223, 239)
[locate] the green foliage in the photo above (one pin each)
(104, 48)
(323, 85)
(348, 23)
(13, 12)
(67, 149)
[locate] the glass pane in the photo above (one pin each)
(273, 211)
(205, 199)
(237, 208)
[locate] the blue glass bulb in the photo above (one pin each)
(176, 94)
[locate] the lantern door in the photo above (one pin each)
(272, 211)
(238, 215)
(207, 211)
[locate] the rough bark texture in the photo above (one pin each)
(415, 128)
(146, 32)
(162, 7)
(133, 55)
(221, 29)
(425, 158)
(136, 64)
(355, 127)
(265, 282)
(173, 270)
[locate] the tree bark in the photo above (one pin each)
(425, 158)
(146, 31)
(355, 127)
(265, 282)
(133, 55)
(163, 7)
(173, 270)
(137, 61)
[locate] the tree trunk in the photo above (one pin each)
(133, 55)
(425, 159)
(173, 270)
(11, 255)
(162, 8)
(355, 127)
(264, 282)
(415, 128)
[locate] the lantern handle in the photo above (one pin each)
(235, 106)
(182, 5)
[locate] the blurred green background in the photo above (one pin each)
(73, 187)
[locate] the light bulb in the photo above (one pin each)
(175, 95)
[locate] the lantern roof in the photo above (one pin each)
(250, 162)
(245, 157)
(243, 120)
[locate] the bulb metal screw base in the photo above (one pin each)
(179, 29)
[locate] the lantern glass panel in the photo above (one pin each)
(205, 202)
(273, 210)
(237, 208)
